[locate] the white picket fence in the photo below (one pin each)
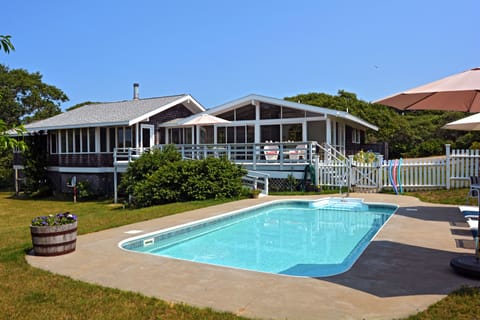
(450, 171)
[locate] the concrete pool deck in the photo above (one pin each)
(403, 271)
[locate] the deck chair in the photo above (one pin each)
(301, 151)
(271, 152)
(474, 187)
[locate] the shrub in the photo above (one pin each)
(162, 177)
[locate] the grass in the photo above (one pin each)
(30, 293)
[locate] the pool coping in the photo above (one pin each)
(405, 269)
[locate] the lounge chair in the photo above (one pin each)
(474, 188)
(271, 152)
(301, 151)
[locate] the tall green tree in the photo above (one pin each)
(408, 134)
(24, 97)
(6, 142)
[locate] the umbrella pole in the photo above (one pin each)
(477, 253)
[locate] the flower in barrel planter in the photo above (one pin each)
(54, 235)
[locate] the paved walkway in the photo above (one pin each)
(403, 271)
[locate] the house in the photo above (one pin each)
(89, 142)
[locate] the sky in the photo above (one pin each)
(219, 51)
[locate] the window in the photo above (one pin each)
(356, 135)
(292, 113)
(84, 135)
(120, 142)
(53, 142)
(103, 139)
(128, 137)
(77, 140)
(245, 113)
(69, 141)
(63, 141)
(229, 115)
(270, 133)
(112, 136)
(292, 132)
(91, 140)
(269, 111)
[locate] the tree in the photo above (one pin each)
(408, 134)
(25, 98)
(6, 142)
(6, 44)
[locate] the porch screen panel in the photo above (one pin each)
(245, 113)
(53, 142)
(230, 135)
(292, 113)
(229, 115)
(188, 135)
(240, 134)
(221, 135)
(174, 136)
(250, 134)
(206, 134)
(111, 137)
(270, 133)
(103, 139)
(128, 137)
(269, 111)
(63, 141)
(69, 141)
(84, 137)
(162, 136)
(78, 146)
(120, 143)
(292, 132)
(91, 139)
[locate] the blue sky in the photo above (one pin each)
(219, 51)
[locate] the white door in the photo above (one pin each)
(147, 135)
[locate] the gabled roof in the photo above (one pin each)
(122, 113)
(255, 97)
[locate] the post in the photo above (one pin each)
(447, 166)
(17, 189)
(317, 169)
(266, 184)
(115, 191)
(379, 173)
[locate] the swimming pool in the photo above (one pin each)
(291, 237)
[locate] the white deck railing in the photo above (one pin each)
(334, 170)
(450, 171)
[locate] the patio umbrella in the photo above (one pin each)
(471, 123)
(458, 92)
(205, 119)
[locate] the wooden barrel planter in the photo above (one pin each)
(54, 240)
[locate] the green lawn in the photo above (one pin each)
(29, 293)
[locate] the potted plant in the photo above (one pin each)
(254, 193)
(54, 235)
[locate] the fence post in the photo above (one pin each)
(317, 170)
(350, 173)
(447, 166)
(379, 173)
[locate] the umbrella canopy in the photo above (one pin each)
(205, 119)
(471, 123)
(458, 92)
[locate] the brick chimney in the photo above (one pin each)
(136, 96)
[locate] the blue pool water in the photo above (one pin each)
(298, 238)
